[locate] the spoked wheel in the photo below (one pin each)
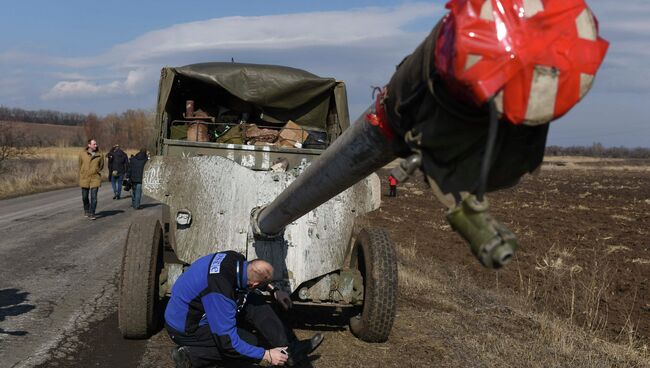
(139, 283)
(374, 255)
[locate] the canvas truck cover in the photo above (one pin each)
(281, 93)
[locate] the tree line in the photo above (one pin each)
(136, 129)
(41, 116)
(598, 150)
(131, 129)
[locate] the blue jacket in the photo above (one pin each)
(208, 292)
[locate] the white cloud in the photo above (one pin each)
(139, 79)
(83, 89)
(139, 60)
(136, 82)
(288, 31)
(285, 31)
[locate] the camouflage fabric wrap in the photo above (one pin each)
(452, 136)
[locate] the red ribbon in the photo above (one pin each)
(511, 45)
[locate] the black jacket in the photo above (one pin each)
(136, 167)
(118, 160)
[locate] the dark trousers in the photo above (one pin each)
(90, 205)
(136, 195)
(116, 184)
(257, 324)
(393, 191)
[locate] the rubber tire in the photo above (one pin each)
(141, 266)
(376, 259)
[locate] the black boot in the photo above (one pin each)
(300, 349)
(181, 357)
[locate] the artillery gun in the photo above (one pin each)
(469, 107)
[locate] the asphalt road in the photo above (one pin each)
(58, 272)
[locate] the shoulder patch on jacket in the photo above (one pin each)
(215, 266)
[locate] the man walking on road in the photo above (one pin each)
(118, 163)
(214, 306)
(136, 169)
(91, 164)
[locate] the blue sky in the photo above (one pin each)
(102, 57)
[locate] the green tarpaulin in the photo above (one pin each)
(280, 93)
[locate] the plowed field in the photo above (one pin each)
(575, 295)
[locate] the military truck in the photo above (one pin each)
(231, 138)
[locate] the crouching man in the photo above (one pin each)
(214, 307)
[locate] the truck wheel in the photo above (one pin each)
(375, 258)
(139, 282)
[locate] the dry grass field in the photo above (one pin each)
(51, 162)
(44, 169)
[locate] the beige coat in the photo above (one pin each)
(90, 169)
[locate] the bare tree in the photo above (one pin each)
(132, 129)
(12, 146)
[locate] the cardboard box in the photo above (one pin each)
(292, 135)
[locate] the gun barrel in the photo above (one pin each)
(357, 153)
